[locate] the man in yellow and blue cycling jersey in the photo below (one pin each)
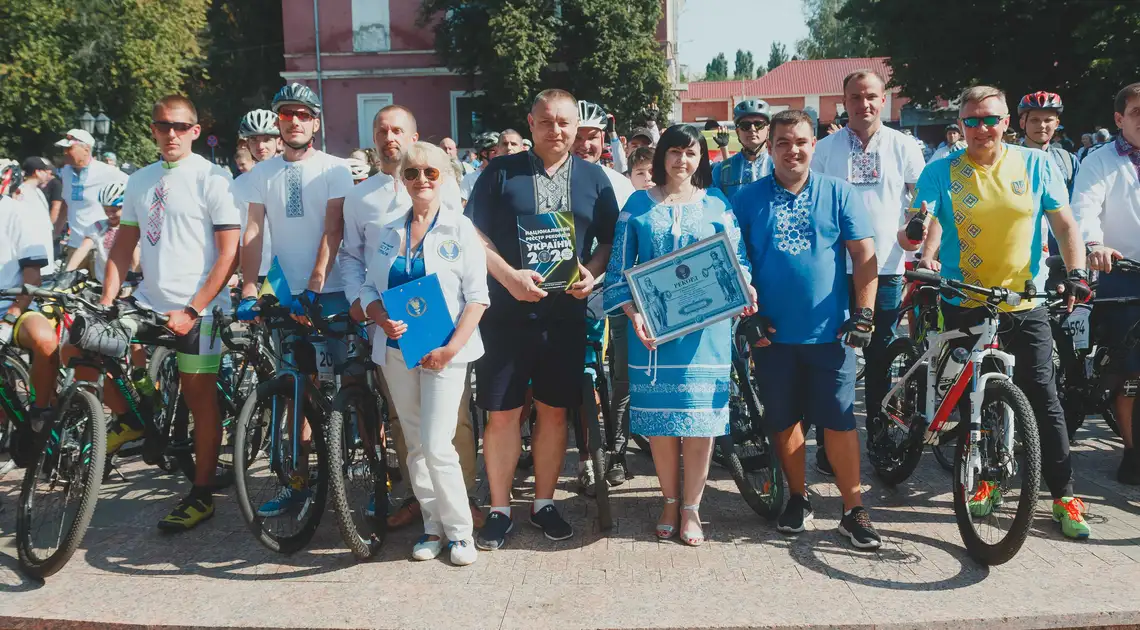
(988, 201)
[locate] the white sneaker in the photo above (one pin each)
(463, 552)
(427, 549)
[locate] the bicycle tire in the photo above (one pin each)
(363, 544)
(945, 460)
(765, 501)
(1025, 428)
(590, 413)
(93, 432)
(14, 371)
(897, 466)
(280, 386)
(642, 443)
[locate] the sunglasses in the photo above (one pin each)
(749, 125)
(299, 115)
(975, 121)
(164, 126)
(412, 174)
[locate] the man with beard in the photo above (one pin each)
(368, 207)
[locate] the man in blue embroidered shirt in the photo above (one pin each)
(798, 227)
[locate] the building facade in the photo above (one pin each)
(362, 55)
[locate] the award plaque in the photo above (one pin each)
(546, 243)
(689, 289)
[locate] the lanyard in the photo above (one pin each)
(409, 252)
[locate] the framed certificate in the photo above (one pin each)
(689, 289)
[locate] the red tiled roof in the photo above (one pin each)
(793, 78)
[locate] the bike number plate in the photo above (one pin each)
(1077, 325)
(324, 362)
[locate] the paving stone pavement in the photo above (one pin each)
(747, 575)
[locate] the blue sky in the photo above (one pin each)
(708, 27)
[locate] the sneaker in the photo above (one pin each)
(188, 514)
(1129, 471)
(551, 523)
(463, 552)
(616, 475)
(288, 498)
(822, 465)
(587, 480)
(426, 548)
(795, 516)
(856, 526)
(409, 512)
(493, 534)
(984, 501)
(1069, 512)
(121, 434)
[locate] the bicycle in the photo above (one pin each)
(16, 396)
(594, 430)
(997, 435)
(71, 446)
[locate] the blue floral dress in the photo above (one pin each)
(683, 390)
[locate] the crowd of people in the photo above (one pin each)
(816, 226)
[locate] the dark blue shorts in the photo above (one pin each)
(814, 383)
(1116, 320)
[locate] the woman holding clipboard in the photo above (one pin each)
(429, 276)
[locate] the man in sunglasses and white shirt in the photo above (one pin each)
(83, 177)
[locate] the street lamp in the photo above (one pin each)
(87, 122)
(99, 126)
(102, 124)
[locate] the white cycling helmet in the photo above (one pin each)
(592, 116)
(360, 169)
(112, 194)
(259, 122)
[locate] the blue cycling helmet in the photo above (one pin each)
(751, 107)
(296, 94)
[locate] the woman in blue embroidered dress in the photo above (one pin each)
(678, 390)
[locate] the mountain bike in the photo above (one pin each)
(998, 454)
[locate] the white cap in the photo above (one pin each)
(76, 136)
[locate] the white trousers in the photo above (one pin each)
(428, 404)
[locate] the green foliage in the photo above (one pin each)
(511, 49)
(717, 69)
(777, 55)
(745, 66)
(761, 71)
(829, 37)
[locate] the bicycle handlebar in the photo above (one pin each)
(72, 299)
(995, 295)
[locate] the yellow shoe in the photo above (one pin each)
(187, 515)
(120, 435)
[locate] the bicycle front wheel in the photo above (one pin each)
(895, 449)
(58, 496)
(359, 480)
(996, 484)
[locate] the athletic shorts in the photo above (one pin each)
(812, 383)
(546, 356)
(200, 350)
(57, 319)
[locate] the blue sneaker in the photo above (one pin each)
(289, 498)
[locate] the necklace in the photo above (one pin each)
(677, 196)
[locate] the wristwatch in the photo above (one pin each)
(865, 313)
(1079, 274)
(193, 311)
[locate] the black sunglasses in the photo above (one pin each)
(749, 125)
(165, 126)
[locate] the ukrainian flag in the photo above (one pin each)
(276, 286)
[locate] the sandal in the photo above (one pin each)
(665, 531)
(689, 537)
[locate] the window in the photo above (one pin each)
(366, 107)
(465, 121)
(371, 26)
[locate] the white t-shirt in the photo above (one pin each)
(296, 196)
(32, 194)
(103, 235)
(1106, 201)
(900, 163)
(368, 208)
(623, 188)
(81, 194)
(468, 184)
(22, 244)
(42, 230)
(178, 208)
(242, 197)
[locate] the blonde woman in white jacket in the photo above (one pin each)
(431, 238)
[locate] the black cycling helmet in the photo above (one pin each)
(296, 94)
(11, 176)
(1040, 100)
(486, 141)
(751, 107)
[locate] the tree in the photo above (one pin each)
(744, 65)
(829, 36)
(761, 71)
(777, 55)
(64, 57)
(717, 70)
(511, 49)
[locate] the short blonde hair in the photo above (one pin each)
(426, 153)
(979, 93)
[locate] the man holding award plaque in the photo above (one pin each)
(799, 227)
(537, 212)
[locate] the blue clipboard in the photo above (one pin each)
(421, 306)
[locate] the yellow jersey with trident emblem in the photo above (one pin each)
(991, 217)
